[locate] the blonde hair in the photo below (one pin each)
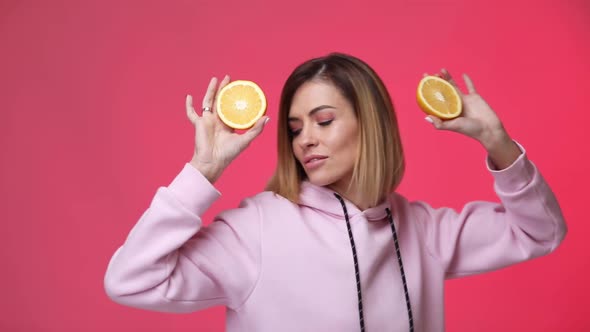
(379, 164)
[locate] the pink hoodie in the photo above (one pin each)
(279, 266)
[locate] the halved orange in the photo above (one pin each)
(438, 97)
(240, 104)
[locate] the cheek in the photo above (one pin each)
(344, 140)
(347, 146)
(296, 150)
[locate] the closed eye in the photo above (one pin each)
(294, 133)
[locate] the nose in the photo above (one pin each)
(307, 137)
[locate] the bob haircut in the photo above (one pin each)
(379, 164)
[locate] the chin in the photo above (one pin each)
(319, 182)
(322, 180)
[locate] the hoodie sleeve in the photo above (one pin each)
(486, 236)
(170, 262)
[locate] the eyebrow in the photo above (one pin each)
(313, 111)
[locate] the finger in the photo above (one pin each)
(436, 122)
(223, 83)
(256, 130)
(210, 94)
(190, 110)
(450, 125)
(469, 84)
(447, 76)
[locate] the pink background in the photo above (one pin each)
(93, 122)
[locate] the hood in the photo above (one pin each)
(323, 199)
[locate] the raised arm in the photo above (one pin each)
(169, 261)
(484, 236)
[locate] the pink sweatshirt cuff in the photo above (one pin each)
(193, 190)
(514, 177)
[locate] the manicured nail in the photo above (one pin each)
(429, 120)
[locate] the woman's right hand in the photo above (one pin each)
(216, 144)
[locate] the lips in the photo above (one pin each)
(313, 158)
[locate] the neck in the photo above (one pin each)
(352, 195)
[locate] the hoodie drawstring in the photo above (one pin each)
(356, 267)
(401, 268)
(356, 264)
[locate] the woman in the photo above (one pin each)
(330, 246)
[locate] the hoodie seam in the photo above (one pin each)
(260, 265)
(554, 222)
(424, 238)
(198, 265)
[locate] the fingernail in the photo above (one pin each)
(266, 121)
(429, 120)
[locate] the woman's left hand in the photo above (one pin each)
(479, 121)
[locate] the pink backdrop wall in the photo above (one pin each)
(93, 121)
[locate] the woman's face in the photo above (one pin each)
(325, 134)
